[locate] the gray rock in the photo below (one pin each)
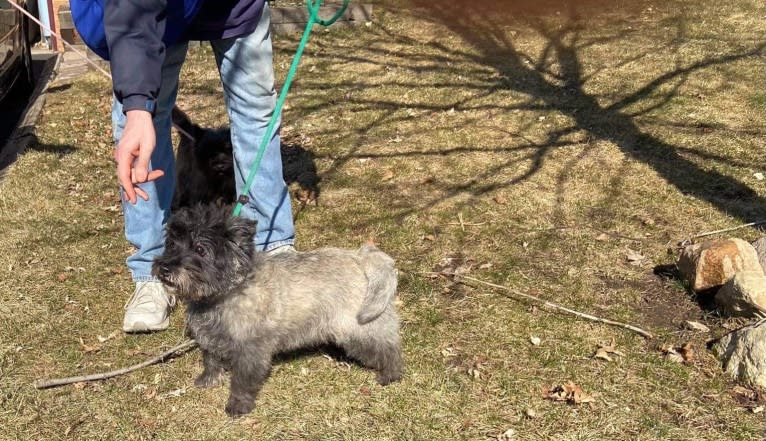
(760, 248)
(743, 354)
(744, 295)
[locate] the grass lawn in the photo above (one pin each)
(536, 144)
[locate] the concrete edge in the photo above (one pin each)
(24, 133)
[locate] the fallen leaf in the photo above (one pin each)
(687, 352)
(569, 392)
(172, 394)
(646, 220)
(603, 237)
(150, 393)
(387, 176)
(530, 413)
(476, 370)
(508, 435)
(634, 257)
(453, 266)
(535, 340)
(485, 266)
(108, 337)
(62, 277)
(758, 176)
(364, 390)
(605, 349)
(500, 200)
(671, 354)
(87, 348)
(696, 326)
(250, 422)
(757, 409)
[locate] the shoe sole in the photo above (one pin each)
(138, 327)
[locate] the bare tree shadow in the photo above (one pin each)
(553, 80)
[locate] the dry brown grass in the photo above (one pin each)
(542, 125)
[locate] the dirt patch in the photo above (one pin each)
(664, 304)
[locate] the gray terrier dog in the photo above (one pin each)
(243, 307)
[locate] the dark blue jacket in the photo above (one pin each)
(134, 30)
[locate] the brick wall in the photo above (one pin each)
(57, 4)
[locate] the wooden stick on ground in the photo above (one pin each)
(726, 230)
(554, 306)
(186, 345)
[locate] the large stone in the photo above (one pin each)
(743, 354)
(712, 263)
(744, 295)
(760, 249)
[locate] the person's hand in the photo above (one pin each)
(133, 153)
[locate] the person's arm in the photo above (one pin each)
(134, 30)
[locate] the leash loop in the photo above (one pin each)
(314, 5)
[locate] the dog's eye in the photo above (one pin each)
(199, 250)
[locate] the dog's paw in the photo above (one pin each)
(209, 380)
(238, 408)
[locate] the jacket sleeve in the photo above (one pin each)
(134, 30)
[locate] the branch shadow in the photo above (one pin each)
(554, 80)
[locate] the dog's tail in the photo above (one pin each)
(381, 283)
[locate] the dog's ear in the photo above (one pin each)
(241, 231)
(182, 122)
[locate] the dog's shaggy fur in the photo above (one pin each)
(243, 307)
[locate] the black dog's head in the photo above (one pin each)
(207, 252)
(211, 147)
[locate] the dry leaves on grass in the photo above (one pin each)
(508, 435)
(678, 354)
(751, 399)
(634, 258)
(473, 366)
(606, 350)
(453, 266)
(696, 326)
(89, 348)
(569, 392)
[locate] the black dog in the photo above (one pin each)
(205, 167)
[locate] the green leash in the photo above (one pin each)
(313, 8)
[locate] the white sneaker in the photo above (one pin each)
(149, 308)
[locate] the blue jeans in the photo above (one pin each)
(246, 71)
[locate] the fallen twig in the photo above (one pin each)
(552, 305)
(726, 230)
(45, 384)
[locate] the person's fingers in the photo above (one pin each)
(142, 193)
(142, 163)
(124, 176)
(154, 174)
